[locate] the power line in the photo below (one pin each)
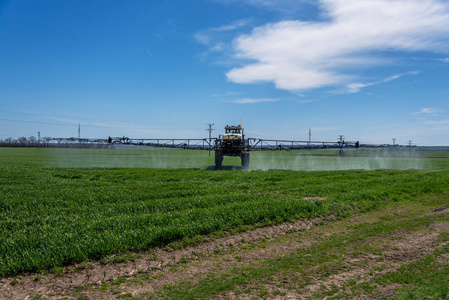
(93, 126)
(35, 122)
(84, 118)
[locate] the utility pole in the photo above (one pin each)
(341, 140)
(394, 141)
(38, 140)
(410, 147)
(310, 136)
(79, 132)
(210, 133)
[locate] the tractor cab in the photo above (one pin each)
(233, 129)
(233, 133)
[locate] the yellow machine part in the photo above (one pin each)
(234, 127)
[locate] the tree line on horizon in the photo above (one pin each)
(49, 142)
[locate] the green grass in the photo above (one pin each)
(62, 206)
(422, 279)
(318, 160)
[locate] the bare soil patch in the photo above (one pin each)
(439, 210)
(403, 248)
(315, 198)
(201, 258)
(152, 271)
(410, 247)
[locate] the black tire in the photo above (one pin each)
(218, 159)
(245, 160)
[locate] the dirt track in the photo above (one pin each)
(151, 272)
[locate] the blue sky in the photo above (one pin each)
(370, 70)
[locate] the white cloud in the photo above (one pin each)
(427, 110)
(297, 55)
(307, 101)
(446, 60)
(227, 94)
(356, 87)
(208, 37)
(288, 7)
(253, 101)
(234, 25)
(443, 122)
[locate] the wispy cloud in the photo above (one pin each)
(442, 122)
(307, 101)
(227, 94)
(297, 55)
(446, 60)
(234, 25)
(288, 7)
(252, 100)
(211, 37)
(155, 130)
(356, 87)
(428, 110)
(66, 120)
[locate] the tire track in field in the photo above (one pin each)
(404, 247)
(149, 273)
(411, 247)
(160, 261)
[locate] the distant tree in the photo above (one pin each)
(22, 140)
(32, 140)
(46, 140)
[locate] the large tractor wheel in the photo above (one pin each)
(218, 159)
(245, 160)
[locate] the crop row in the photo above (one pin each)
(51, 217)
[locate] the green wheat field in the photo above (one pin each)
(63, 206)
